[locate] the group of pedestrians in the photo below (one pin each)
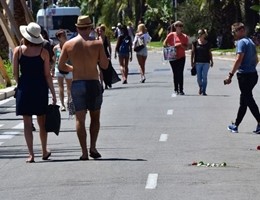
(76, 60)
(31, 68)
(124, 50)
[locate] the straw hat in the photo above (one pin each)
(84, 21)
(32, 33)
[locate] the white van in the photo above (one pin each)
(56, 18)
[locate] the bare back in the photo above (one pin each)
(84, 55)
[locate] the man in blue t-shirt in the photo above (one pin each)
(245, 65)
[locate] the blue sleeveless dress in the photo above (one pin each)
(32, 90)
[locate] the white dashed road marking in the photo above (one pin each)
(10, 133)
(6, 137)
(5, 101)
(151, 182)
(174, 94)
(163, 137)
(169, 112)
(18, 126)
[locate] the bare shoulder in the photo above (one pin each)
(44, 53)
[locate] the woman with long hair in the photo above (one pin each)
(141, 55)
(124, 51)
(201, 59)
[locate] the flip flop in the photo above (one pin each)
(94, 155)
(46, 157)
(81, 158)
(30, 161)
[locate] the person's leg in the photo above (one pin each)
(122, 67)
(81, 132)
(174, 71)
(141, 61)
(61, 92)
(69, 82)
(43, 137)
(243, 86)
(94, 130)
(205, 69)
(126, 62)
(253, 78)
(199, 76)
(180, 66)
(28, 135)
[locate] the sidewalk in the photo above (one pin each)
(6, 92)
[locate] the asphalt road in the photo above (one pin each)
(148, 140)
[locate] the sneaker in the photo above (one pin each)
(257, 131)
(232, 128)
(181, 93)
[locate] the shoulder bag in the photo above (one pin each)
(139, 44)
(169, 52)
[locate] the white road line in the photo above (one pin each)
(5, 101)
(169, 112)
(18, 126)
(1, 143)
(6, 137)
(1, 125)
(163, 137)
(10, 133)
(174, 94)
(151, 182)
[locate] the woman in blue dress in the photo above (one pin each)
(31, 68)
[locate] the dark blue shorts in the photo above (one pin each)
(87, 95)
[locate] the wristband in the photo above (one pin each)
(231, 75)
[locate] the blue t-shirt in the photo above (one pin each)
(247, 46)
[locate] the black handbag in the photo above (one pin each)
(193, 71)
(139, 44)
(53, 119)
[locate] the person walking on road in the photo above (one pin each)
(85, 54)
(31, 69)
(61, 75)
(201, 59)
(141, 55)
(109, 75)
(245, 66)
(179, 40)
(124, 51)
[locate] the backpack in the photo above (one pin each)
(124, 46)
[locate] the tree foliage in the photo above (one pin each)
(214, 15)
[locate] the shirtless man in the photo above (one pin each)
(85, 53)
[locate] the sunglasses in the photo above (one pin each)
(179, 25)
(236, 30)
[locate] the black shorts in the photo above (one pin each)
(87, 95)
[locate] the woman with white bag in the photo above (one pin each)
(180, 41)
(141, 39)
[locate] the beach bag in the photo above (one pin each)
(53, 119)
(139, 44)
(170, 52)
(71, 108)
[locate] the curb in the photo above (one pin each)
(6, 92)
